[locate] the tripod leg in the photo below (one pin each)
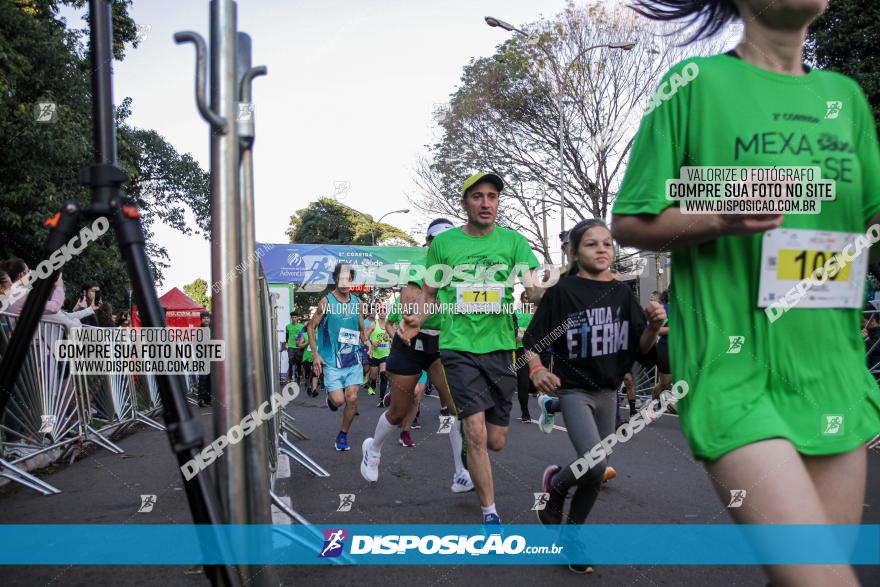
(184, 430)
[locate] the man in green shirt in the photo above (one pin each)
(294, 354)
(406, 365)
(302, 343)
(477, 336)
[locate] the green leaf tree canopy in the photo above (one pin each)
(326, 221)
(42, 60)
(198, 292)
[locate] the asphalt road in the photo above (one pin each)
(658, 482)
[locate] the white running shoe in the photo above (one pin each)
(369, 462)
(546, 419)
(461, 482)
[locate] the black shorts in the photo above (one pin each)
(413, 359)
(307, 367)
(374, 362)
(481, 383)
(663, 357)
(294, 354)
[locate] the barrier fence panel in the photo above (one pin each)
(267, 314)
(112, 401)
(147, 400)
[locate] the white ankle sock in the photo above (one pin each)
(383, 429)
(489, 509)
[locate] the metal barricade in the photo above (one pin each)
(43, 413)
(49, 409)
(147, 401)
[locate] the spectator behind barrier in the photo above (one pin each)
(89, 297)
(17, 295)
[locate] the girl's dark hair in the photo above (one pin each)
(664, 297)
(4, 278)
(574, 239)
(14, 267)
(706, 16)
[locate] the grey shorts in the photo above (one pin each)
(481, 383)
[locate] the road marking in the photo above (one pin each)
(555, 427)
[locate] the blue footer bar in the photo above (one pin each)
(170, 544)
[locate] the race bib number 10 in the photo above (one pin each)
(790, 256)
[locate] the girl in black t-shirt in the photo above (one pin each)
(594, 328)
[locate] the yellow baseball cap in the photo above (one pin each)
(482, 176)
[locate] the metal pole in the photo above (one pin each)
(227, 378)
(561, 161)
(544, 217)
(256, 391)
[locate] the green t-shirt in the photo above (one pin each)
(292, 330)
(788, 374)
(469, 331)
(523, 319)
(382, 347)
(433, 322)
(395, 311)
(307, 351)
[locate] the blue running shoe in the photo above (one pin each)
(342, 441)
(333, 407)
(492, 524)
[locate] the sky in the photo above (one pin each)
(349, 97)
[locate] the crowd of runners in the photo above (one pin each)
(754, 418)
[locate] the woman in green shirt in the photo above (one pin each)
(779, 406)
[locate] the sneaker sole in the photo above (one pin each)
(405, 445)
(586, 571)
(456, 488)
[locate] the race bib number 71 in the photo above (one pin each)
(478, 299)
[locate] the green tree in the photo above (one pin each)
(504, 116)
(198, 292)
(845, 39)
(326, 221)
(41, 60)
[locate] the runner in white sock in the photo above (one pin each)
(405, 365)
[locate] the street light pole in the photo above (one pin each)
(554, 68)
(373, 224)
(561, 161)
(373, 236)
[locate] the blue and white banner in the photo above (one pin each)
(311, 266)
(627, 544)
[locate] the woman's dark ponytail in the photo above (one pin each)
(707, 16)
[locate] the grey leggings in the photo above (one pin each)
(589, 416)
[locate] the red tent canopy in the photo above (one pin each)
(180, 310)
